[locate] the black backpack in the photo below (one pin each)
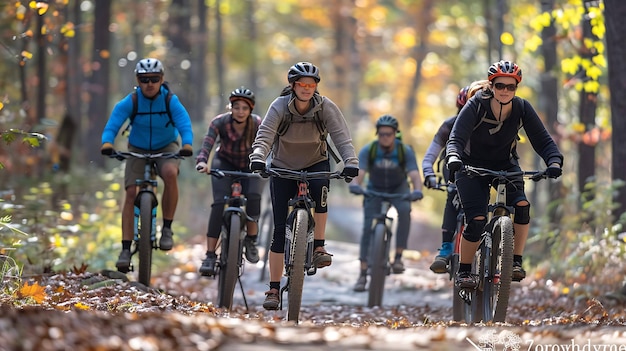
(134, 114)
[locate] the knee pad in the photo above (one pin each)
(474, 230)
(522, 214)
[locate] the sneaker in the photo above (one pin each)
(397, 266)
(360, 284)
(272, 300)
(440, 265)
(518, 272)
(208, 264)
(123, 261)
(321, 258)
(252, 254)
(167, 241)
(466, 280)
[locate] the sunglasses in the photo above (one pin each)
(146, 80)
(502, 86)
(306, 85)
(388, 134)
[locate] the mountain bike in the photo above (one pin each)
(230, 259)
(146, 203)
(458, 304)
(493, 261)
(380, 245)
(266, 229)
(299, 235)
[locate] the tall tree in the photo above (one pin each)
(588, 102)
(99, 82)
(614, 15)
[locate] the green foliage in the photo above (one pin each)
(586, 247)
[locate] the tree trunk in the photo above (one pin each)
(614, 15)
(99, 83)
(587, 110)
(422, 22)
(219, 50)
(547, 100)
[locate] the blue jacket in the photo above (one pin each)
(151, 129)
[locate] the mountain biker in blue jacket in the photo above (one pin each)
(437, 151)
(484, 134)
(152, 131)
(388, 174)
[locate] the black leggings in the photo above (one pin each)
(283, 190)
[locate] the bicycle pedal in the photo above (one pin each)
(311, 271)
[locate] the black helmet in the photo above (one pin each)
(387, 121)
(303, 69)
(242, 94)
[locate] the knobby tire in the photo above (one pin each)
(145, 238)
(504, 230)
(266, 232)
(229, 271)
(298, 259)
(458, 304)
(378, 265)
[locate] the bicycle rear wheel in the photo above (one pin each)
(266, 232)
(297, 251)
(378, 266)
(229, 264)
(503, 264)
(145, 240)
(458, 304)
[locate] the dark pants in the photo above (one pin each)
(283, 190)
(251, 188)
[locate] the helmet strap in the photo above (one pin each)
(501, 105)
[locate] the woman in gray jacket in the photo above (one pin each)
(294, 130)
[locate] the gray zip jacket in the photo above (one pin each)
(301, 145)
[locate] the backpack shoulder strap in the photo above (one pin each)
(168, 98)
(372, 152)
(401, 154)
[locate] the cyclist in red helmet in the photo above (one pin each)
(234, 132)
(483, 135)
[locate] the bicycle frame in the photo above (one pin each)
(230, 263)
(380, 245)
(494, 258)
(301, 225)
(146, 201)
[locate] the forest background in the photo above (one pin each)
(66, 63)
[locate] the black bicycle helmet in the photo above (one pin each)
(243, 94)
(387, 121)
(303, 69)
(149, 65)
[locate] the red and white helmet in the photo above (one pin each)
(504, 69)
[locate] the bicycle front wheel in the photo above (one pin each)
(378, 265)
(503, 264)
(145, 240)
(229, 264)
(266, 233)
(297, 252)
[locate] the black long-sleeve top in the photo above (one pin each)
(478, 139)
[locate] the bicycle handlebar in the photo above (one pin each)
(122, 155)
(302, 175)
(219, 173)
(472, 171)
(386, 196)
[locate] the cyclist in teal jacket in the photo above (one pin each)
(153, 130)
(388, 173)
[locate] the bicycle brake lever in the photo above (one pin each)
(218, 174)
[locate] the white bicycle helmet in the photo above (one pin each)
(149, 65)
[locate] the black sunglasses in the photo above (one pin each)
(153, 79)
(502, 86)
